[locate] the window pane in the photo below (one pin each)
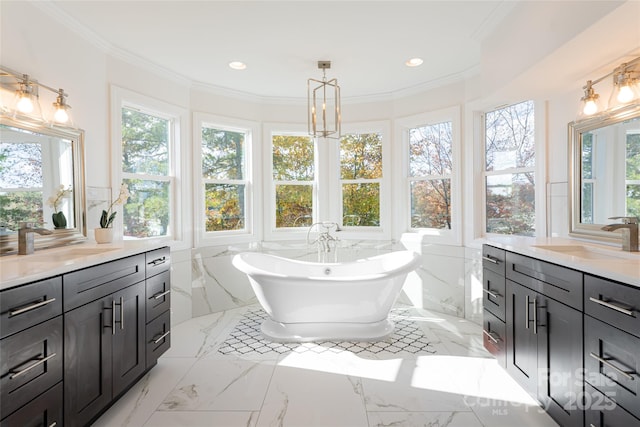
(292, 158)
(361, 204)
(587, 156)
(430, 150)
(587, 203)
(633, 156)
(20, 206)
(294, 205)
(145, 143)
(225, 209)
(222, 154)
(20, 165)
(509, 134)
(361, 156)
(146, 212)
(633, 200)
(431, 204)
(511, 204)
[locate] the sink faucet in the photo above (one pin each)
(629, 229)
(25, 237)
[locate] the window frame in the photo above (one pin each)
(403, 210)
(251, 231)
(179, 192)
(539, 169)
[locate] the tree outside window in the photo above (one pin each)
(510, 170)
(223, 175)
(360, 179)
(430, 166)
(633, 174)
(146, 168)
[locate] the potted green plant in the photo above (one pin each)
(58, 218)
(104, 234)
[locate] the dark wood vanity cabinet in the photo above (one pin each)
(73, 344)
(494, 294)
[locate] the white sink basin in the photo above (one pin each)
(588, 252)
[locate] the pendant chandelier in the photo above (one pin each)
(323, 104)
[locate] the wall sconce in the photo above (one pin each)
(324, 98)
(625, 90)
(27, 98)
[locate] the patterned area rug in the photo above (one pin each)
(246, 339)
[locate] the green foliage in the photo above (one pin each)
(146, 213)
(361, 156)
(511, 207)
(222, 154)
(294, 205)
(224, 209)
(20, 206)
(293, 158)
(59, 220)
(145, 143)
(361, 204)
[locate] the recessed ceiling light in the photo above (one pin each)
(237, 65)
(413, 62)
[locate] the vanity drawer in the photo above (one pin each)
(493, 259)
(158, 295)
(600, 411)
(612, 362)
(493, 335)
(83, 286)
(158, 261)
(158, 338)
(31, 362)
(613, 303)
(494, 290)
(45, 410)
(28, 305)
(557, 282)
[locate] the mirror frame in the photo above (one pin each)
(576, 129)
(69, 235)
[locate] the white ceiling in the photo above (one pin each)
(281, 42)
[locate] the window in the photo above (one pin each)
(223, 170)
(293, 173)
(360, 179)
(588, 180)
(510, 170)
(430, 166)
(224, 178)
(148, 161)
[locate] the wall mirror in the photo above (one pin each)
(604, 173)
(41, 181)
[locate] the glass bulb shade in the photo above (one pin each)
(25, 104)
(590, 107)
(61, 115)
(625, 94)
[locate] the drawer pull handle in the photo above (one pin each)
(121, 313)
(53, 424)
(160, 294)
(39, 361)
(491, 336)
(535, 316)
(611, 365)
(612, 306)
(31, 307)
(161, 337)
(491, 259)
(526, 311)
(491, 293)
(113, 317)
(158, 261)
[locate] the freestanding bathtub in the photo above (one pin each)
(309, 301)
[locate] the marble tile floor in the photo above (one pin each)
(433, 371)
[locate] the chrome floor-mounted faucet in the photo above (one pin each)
(629, 229)
(325, 240)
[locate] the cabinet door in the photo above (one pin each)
(522, 347)
(87, 360)
(560, 362)
(43, 411)
(128, 340)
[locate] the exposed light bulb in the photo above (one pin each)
(61, 115)
(590, 108)
(25, 105)
(625, 94)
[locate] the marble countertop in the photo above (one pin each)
(20, 269)
(600, 260)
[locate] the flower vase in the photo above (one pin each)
(59, 220)
(103, 235)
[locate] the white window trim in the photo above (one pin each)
(403, 205)
(252, 230)
(269, 217)
(179, 238)
(540, 169)
(334, 212)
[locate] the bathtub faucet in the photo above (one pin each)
(324, 240)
